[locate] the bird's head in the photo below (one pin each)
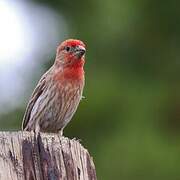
(71, 52)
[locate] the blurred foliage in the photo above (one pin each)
(130, 118)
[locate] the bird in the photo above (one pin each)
(58, 93)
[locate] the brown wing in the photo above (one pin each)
(37, 92)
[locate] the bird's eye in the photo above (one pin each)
(67, 48)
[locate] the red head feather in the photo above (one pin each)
(73, 60)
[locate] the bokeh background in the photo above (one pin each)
(130, 118)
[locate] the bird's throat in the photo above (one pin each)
(74, 73)
(74, 70)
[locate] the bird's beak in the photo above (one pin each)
(80, 51)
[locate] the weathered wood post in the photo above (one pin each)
(26, 156)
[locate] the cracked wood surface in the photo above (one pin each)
(26, 156)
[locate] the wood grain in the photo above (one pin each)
(27, 156)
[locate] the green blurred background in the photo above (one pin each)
(130, 117)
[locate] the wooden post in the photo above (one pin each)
(26, 156)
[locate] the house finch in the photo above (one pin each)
(59, 91)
